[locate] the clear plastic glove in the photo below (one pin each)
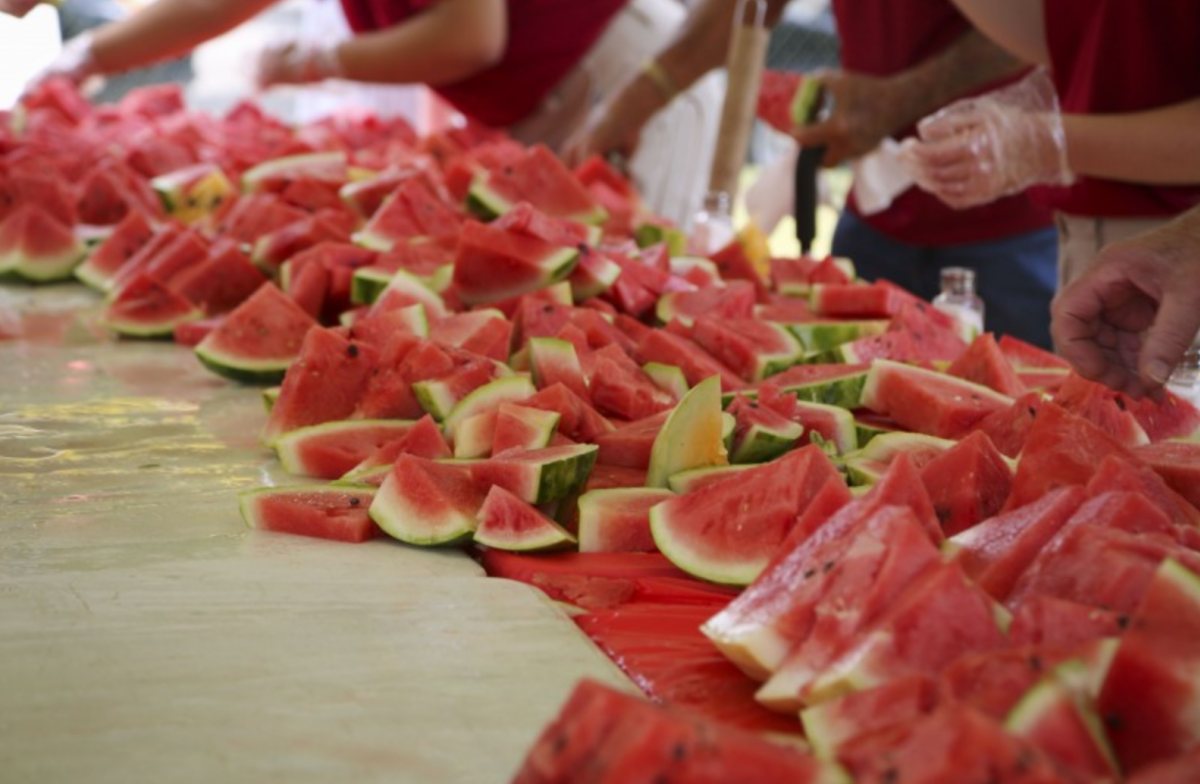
(298, 62)
(17, 8)
(75, 63)
(978, 149)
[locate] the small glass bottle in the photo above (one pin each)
(1185, 381)
(958, 298)
(712, 226)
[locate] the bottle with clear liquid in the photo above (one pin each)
(1185, 381)
(958, 298)
(712, 226)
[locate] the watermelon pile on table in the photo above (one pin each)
(783, 500)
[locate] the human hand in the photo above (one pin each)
(297, 62)
(1129, 319)
(978, 149)
(861, 112)
(75, 63)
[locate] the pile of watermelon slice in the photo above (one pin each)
(787, 502)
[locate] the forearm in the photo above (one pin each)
(167, 28)
(1159, 146)
(450, 41)
(700, 46)
(1017, 25)
(971, 62)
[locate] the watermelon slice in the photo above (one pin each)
(330, 449)
(338, 513)
(539, 177)
(494, 263)
(102, 262)
(426, 502)
(537, 476)
(617, 520)
(37, 246)
(926, 401)
(145, 307)
(728, 531)
(258, 340)
(1149, 699)
(508, 523)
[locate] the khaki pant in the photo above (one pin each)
(1081, 239)
(671, 165)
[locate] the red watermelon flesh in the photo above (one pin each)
(330, 450)
(759, 628)
(147, 307)
(493, 263)
(934, 620)
(993, 681)
(630, 444)
(508, 522)
(858, 300)
(853, 723)
(984, 363)
(1061, 448)
(180, 251)
(934, 334)
(339, 514)
(1102, 566)
(524, 218)
(660, 648)
(1102, 407)
(997, 551)
(578, 420)
(190, 333)
(406, 359)
(37, 245)
(1174, 417)
(730, 530)
(219, 283)
(697, 364)
(485, 333)
(1149, 700)
(539, 177)
(733, 300)
(1062, 624)
(423, 438)
(620, 388)
(967, 483)
(617, 520)
(733, 264)
(1116, 473)
(1178, 463)
(254, 215)
(98, 269)
(600, 731)
(751, 348)
(926, 401)
(885, 553)
(1027, 355)
(323, 384)
(1179, 769)
(101, 200)
(776, 91)
(1009, 428)
(414, 209)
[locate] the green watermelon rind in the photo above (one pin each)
(156, 330)
(761, 443)
(46, 269)
(390, 514)
(865, 465)
(506, 389)
(290, 165)
(790, 352)
(413, 286)
(367, 283)
(541, 424)
(695, 564)
(289, 446)
(818, 336)
(559, 473)
(484, 202)
(668, 378)
(551, 540)
(649, 233)
(246, 498)
(598, 507)
(680, 444)
(846, 436)
(1024, 716)
(546, 351)
(265, 371)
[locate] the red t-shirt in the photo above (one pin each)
(882, 37)
(1117, 56)
(546, 38)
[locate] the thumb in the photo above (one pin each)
(1169, 337)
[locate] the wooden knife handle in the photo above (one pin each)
(745, 62)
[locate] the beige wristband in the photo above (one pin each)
(662, 80)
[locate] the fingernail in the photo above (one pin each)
(1158, 371)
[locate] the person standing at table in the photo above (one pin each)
(532, 67)
(1109, 130)
(901, 59)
